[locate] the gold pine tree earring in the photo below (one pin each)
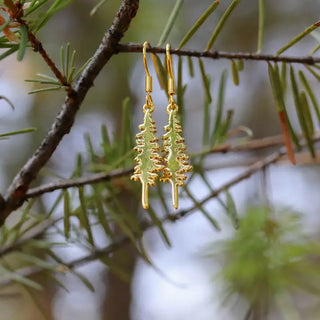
(176, 160)
(148, 159)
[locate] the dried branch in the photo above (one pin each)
(15, 195)
(134, 47)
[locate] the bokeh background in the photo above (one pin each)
(183, 284)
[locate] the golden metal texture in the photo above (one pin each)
(149, 161)
(175, 159)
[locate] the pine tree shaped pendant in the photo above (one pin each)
(148, 159)
(176, 161)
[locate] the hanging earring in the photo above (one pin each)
(148, 159)
(176, 161)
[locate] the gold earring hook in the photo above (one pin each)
(171, 87)
(148, 79)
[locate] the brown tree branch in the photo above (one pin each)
(135, 47)
(15, 195)
(65, 184)
(38, 47)
(251, 145)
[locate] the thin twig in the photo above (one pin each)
(65, 184)
(16, 13)
(38, 47)
(255, 144)
(96, 254)
(260, 164)
(135, 47)
(252, 145)
(15, 195)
